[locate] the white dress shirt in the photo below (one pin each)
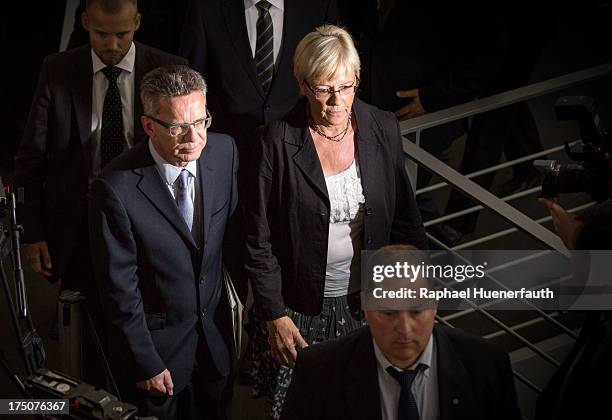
(424, 388)
(125, 83)
(251, 13)
(170, 173)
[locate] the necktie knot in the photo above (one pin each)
(183, 179)
(263, 6)
(404, 377)
(111, 73)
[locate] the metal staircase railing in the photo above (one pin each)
(412, 129)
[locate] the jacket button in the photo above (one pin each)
(368, 211)
(267, 107)
(203, 313)
(201, 281)
(369, 241)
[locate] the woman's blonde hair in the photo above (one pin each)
(323, 52)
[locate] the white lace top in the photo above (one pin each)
(345, 231)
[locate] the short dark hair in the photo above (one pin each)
(169, 82)
(111, 7)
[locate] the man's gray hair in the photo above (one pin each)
(169, 82)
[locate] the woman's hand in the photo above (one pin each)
(284, 337)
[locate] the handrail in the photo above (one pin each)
(510, 97)
(483, 196)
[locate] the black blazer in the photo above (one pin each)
(216, 42)
(449, 51)
(53, 162)
(288, 207)
(157, 287)
(338, 379)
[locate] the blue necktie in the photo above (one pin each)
(183, 198)
(407, 408)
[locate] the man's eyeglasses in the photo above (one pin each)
(328, 91)
(176, 130)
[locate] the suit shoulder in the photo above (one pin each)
(159, 57)
(223, 142)
(330, 353)
(63, 58)
(383, 118)
(467, 344)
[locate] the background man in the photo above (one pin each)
(84, 112)
(157, 218)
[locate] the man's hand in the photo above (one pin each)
(159, 384)
(38, 257)
(283, 337)
(566, 224)
(413, 109)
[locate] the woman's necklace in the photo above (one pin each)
(338, 137)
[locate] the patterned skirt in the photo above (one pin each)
(271, 380)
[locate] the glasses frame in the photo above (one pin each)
(183, 126)
(327, 93)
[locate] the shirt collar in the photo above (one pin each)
(126, 63)
(425, 358)
(279, 4)
(168, 171)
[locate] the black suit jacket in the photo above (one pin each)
(338, 379)
(449, 51)
(157, 286)
(216, 42)
(288, 207)
(53, 162)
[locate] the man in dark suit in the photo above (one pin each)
(220, 41)
(402, 366)
(157, 217)
(422, 57)
(61, 150)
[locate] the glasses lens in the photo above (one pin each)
(177, 130)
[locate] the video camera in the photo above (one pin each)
(86, 402)
(591, 170)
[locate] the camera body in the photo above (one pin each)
(591, 170)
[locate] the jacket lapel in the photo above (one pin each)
(156, 191)
(141, 66)
(206, 169)
(306, 157)
(233, 13)
(454, 390)
(369, 137)
(81, 93)
(362, 394)
(293, 11)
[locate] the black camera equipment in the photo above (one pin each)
(86, 402)
(591, 170)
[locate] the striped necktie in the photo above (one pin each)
(264, 52)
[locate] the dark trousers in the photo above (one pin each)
(511, 130)
(203, 398)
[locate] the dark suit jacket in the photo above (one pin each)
(158, 287)
(339, 380)
(216, 42)
(53, 162)
(449, 51)
(288, 207)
